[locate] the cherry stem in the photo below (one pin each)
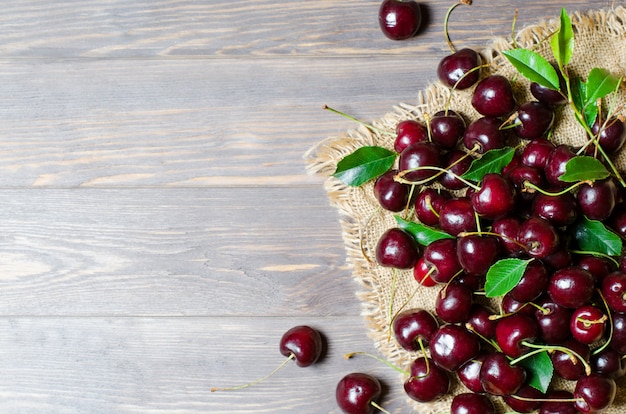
(598, 254)
(493, 343)
(610, 318)
(423, 349)
(400, 176)
(365, 124)
(533, 187)
(490, 233)
(526, 355)
(563, 349)
(378, 407)
(458, 82)
(447, 18)
(367, 354)
(519, 397)
(291, 356)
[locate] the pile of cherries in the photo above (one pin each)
(569, 303)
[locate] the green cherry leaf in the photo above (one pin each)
(584, 168)
(534, 67)
(492, 161)
(539, 369)
(594, 236)
(579, 93)
(364, 164)
(562, 42)
(600, 83)
(504, 275)
(424, 234)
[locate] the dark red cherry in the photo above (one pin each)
(454, 303)
(614, 291)
(480, 319)
(511, 306)
(588, 324)
(526, 400)
(538, 236)
(594, 393)
(499, 377)
(422, 273)
(513, 331)
(568, 365)
(409, 132)
(427, 382)
(560, 210)
(397, 248)
(484, 134)
(469, 373)
(420, 155)
(608, 363)
(555, 165)
(441, 254)
(447, 129)
(617, 222)
(452, 346)
(493, 96)
(611, 134)
(535, 154)
(456, 163)
(522, 174)
(454, 70)
(618, 340)
(399, 20)
(471, 403)
(562, 404)
(599, 267)
(553, 321)
(495, 198)
(355, 393)
(534, 119)
(304, 342)
(412, 326)
(533, 283)
(391, 194)
(571, 287)
(508, 228)
(547, 95)
(597, 201)
(477, 253)
(428, 203)
(457, 215)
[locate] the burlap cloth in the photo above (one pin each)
(600, 41)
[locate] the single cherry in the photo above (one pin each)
(413, 328)
(399, 20)
(409, 132)
(538, 236)
(356, 393)
(553, 321)
(454, 303)
(447, 129)
(456, 163)
(560, 210)
(571, 287)
(535, 154)
(457, 215)
(471, 403)
(427, 381)
(555, 165)
(514, 331)
(452, 346)
(499, 377)
(417, 156)
(477, 253)
(608, 363)
(533, 283)
(484, 134)
(567, 365)
(597, 200)
(614, 291)
(533, 120)
(397, 248)
(610, 133)
(428, 203)
(526, 400)
(594, 393)
(422, 273)
(493, 96)
(441, 254)
(588, 324)
(469, 373)
(495, 198)
(391, 194)
(454, 70)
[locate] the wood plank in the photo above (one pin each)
(245, 251)
(166, 365)
(183, 28)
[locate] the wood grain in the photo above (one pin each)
(158, 230)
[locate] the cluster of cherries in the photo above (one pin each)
(569, 303)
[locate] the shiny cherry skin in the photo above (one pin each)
(454, 303)
(608, 363)
(588, 324)
(535, 154)
(399, 20)
(553, 320)
(521, 174)
(452, 346)
(469, 373)
(477, 253)
(481, 321)
(508, 228)
(471, 403)
(457, 215)
(304, 342)
(493, 96)
(597, 201)
(614, 291)
(422, 273)
(529, 401)
(456, 162)
(533, 283)
(560, 210)
(546, 95)
(555, 166)
(484, 134)
(599, 267)
(560, 405)
(447, 129)
(513, 331)
(456, 70)
(571, 287)
(611, 134)
(441, 254)
(539, 237)
(618, 340)
(499, 377)
(427, 382)
(356, 391)
(391, 194)
(428, 203)
(412, 326)
(566, 366)
(594, 393)
(533, 120)
(496, 197)
(409, 132)
(396, 248)
(421, 154)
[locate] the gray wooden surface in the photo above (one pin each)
(158, 229)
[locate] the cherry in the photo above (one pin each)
(611, 134)
(560, 210)
(571, 287)
(302, 343)
(614, 291)
(538, 236)
(413, 328)
(457, 162)
(455, 69)
(508, 228)
(469, 373)
(446, 129)
(452, 346)
(409, 132)
(533, 120)
(553, 321)
(457, 215)
(560, 258)
(480, 320)
(555, 165)
(477, 253)
(597, 201)
(608, 363)
(510, 306)
(427, 382)
(454, 303)
(535, 154)
(515, 330)
(396, 248)
(422, 273)
(547, 95)
(428, 203)
(495, 198)
(599, 267)
(499, 377)
(470, 403)
(399, 20)
(563, 403)
(493, 96)
(356, 393)
(588, 324)
(618, 339)
(567, 365)
(594, 393)
(484, 134)
(391, 194)
(421, 154)
(617, 222)
(533, 283)
(441, 254)
(529, 400)
(520, 174)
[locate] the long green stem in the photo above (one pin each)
(400, 176)
(291, 356)
(389, 364)
(563, 349)
(365, 124)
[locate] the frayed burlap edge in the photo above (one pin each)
(600, 37)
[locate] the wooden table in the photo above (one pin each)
(158, 229)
